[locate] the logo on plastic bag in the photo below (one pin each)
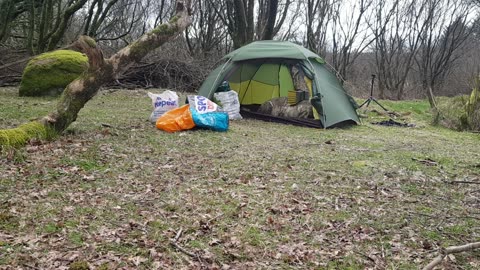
(161, 102)
(204, 105)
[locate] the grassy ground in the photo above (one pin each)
(113, 191)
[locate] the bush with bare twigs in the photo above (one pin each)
(460, 112)
(11, 74)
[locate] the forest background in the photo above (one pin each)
(411, 46)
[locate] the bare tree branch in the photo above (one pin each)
(451, 250)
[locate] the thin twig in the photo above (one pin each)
(214, 218)
(464, 182)
(26, 59)
(451, 250)
(174, 243)
(179, 234)
(106, 125)
(11, 76)
(21, 61)
(31, 266)
(364, 255)
(181, 249)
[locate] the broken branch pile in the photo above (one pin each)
(163, 73)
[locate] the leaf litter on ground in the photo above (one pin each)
(261, 195)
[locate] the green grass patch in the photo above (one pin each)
(253, 236)
(75, 238)
(50, 228)
(261, 195)
(347, 262)
(8, 221)
(432, 235)
(452, 113)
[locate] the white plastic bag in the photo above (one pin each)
(162, 103)
(230, 104)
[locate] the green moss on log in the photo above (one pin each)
(166, 29)
(21, 135)
(50, 73)
(160, 30)
(174, 19)
(91, 42)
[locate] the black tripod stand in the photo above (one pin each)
(371, 98)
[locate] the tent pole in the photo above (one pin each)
(214, 85)
(324, 116)
(249, 81)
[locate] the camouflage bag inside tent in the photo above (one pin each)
(262, 71)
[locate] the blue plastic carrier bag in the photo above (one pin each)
(207, 114)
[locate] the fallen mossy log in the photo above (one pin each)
(15, 137)
(100, 71)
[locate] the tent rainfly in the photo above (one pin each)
(259, 72)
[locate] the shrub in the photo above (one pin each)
(450, 113)
(472, 107)
(460, 112)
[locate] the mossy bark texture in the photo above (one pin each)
(100, 70)
(18, 136)
(48, 74)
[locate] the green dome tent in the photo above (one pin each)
(259, 72)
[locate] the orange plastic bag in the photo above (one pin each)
(176, 120)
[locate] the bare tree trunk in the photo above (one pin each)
(10, 10)
(42, 27)
(62, 26)
(350, 39)
(31, 27)
(92, 26)
(318, 16)
(250, 18)
(431, 99)
(398, 30)
(206, 34)
(101, 70)
(441, 45)
(267, 18)
(271, 18)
